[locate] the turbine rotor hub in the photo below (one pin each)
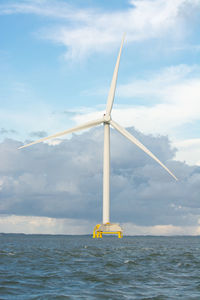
(106, 118)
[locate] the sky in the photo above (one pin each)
(57, 59)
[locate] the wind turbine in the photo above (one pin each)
(106, 227)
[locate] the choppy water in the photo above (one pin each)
(79, 267)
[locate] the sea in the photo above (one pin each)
(80, 267)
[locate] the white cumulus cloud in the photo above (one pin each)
(85, 31)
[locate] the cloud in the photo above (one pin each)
(99, 32)
(87, 31)
(38, 134)
(188, 150)
(65, 181)
(161, 230)
(7, 131)
(42, 225)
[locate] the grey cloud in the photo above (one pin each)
(65, 180)
(7, 131)
(38, 134)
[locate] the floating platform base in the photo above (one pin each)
(108, 228)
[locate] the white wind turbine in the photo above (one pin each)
(106, 120)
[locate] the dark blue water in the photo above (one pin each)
(79, 267)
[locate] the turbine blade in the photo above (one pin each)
(111, 94)
(140, 145)
(74, 129)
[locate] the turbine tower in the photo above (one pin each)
(106, 227)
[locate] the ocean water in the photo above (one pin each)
(79, 267)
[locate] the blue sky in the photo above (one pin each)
(57, 59)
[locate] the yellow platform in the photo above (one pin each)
(108, 228)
